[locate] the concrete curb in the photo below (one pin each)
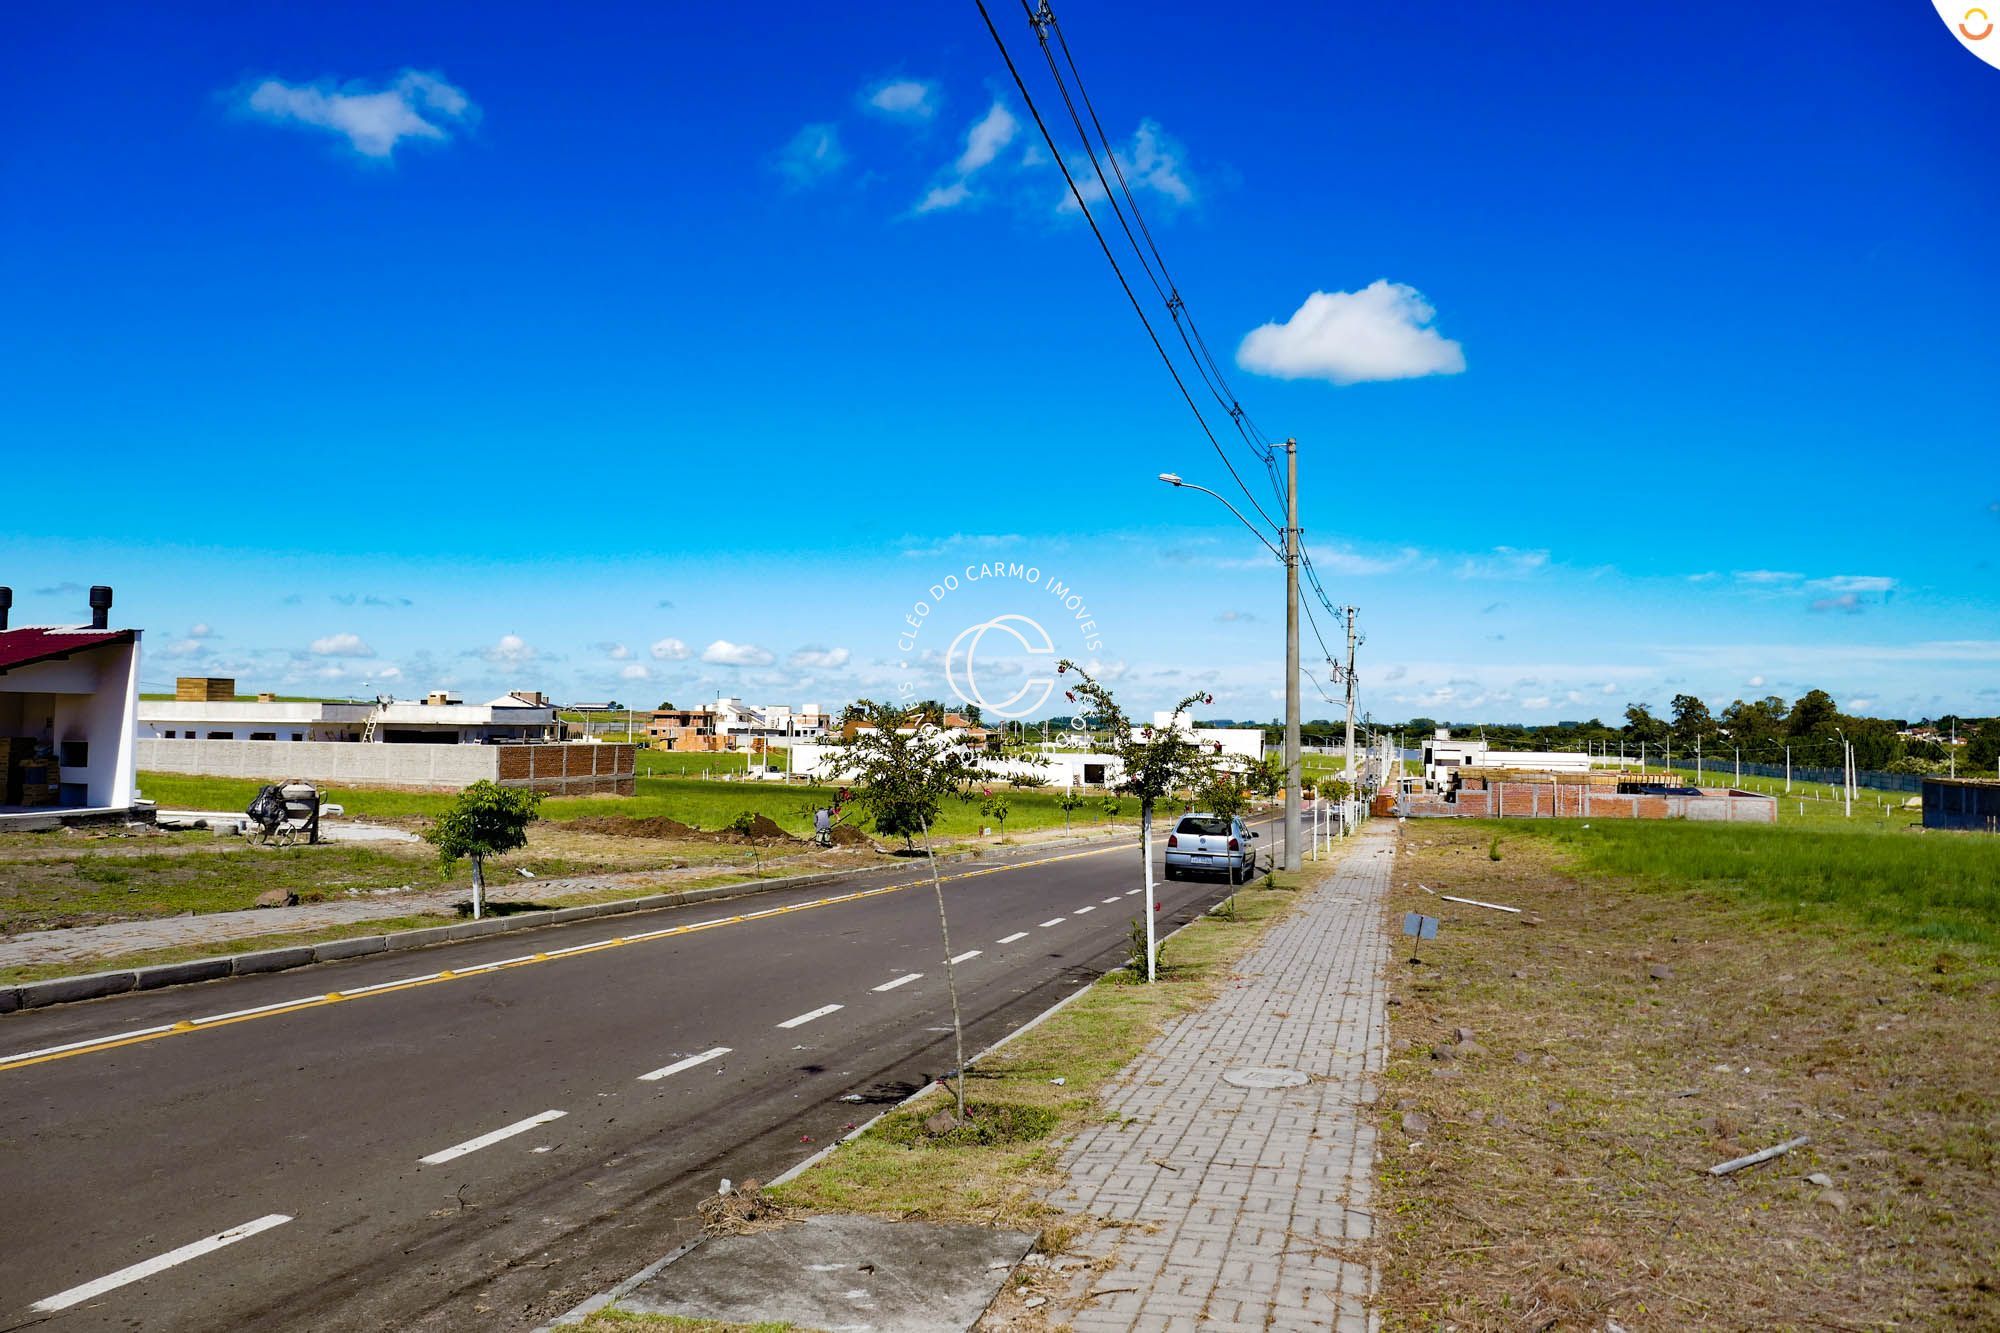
(98, 985)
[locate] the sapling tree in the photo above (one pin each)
(1071, 800)
(486, 820)
(994, 806)
(1152, 763)
(903, 772)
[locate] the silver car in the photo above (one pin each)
(1211, 845)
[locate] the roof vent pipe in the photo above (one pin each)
(6, 605)
(100, 607)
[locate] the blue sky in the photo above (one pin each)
(489, 347)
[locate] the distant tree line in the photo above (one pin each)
(1761, 729)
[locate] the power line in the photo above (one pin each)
(1105, 245)
(1044, 21)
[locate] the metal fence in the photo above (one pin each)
(1821, 777)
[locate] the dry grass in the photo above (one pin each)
(1561, 1182)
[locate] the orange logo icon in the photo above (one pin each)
(1985, 28)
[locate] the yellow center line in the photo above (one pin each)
(185, 1026)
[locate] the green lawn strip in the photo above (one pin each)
(1935, 888)
(213, 949)
(702, 804)
(996, 1170)
(672, 1323)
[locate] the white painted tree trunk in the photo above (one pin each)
(950, 971)
(1146, 854)
(478, 886)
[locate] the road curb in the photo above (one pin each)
(99, 985)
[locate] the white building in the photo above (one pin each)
(1245, 743)
(67, 699)
(770, 722)
(439, 719)
(1444, 757)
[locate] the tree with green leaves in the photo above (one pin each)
(994, 806)
(903, 770)
(485, 820)
(1070, 801)
(1153, 762)
(1692, 721)
(1983, 752)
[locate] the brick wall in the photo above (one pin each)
(569, 770)
(1542, 800)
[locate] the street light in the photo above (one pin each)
(1289, 557)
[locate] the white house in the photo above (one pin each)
(772, 722)
(67, 699)
(1444, 757)
(440, 718)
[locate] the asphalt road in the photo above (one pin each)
(268, 1170)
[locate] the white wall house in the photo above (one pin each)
(439, 720)
(772, 722)
(1444, 757)
(68, 692)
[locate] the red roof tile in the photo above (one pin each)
(23, 647)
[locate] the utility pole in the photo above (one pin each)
(1293, 775)
(1353, 792)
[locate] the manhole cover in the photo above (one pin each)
(1265, 1078)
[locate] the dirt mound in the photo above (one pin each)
(846, 835)
(761, 829)
(658, 826)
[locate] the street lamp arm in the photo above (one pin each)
(1255, 531)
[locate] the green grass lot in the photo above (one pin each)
(705, 805)
(1934, 887)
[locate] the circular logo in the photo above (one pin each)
(961, 669)
(1973, 26)
(1001, 664)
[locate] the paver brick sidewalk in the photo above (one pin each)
(1248, 1208)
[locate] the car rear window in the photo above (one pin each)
(1204, 824)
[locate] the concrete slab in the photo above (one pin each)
(837, 1272)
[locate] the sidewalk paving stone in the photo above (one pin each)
(1258, 1217)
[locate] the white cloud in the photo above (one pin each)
(1755, 682)
(1766, 578)
(341, 645)
(617, 652)
(201, 631)
(908, 99)
(389, 673)
(813, 154)
(510, 650)
(636, 671)
(416, 105)
(1355, 563)
(944, 196)
(1855, 583)
(1151, 163)
(724, 653)
(989, 135)
(1506, 562)
(819, 659)
(1381, 332)
(189, 647)
(1236, 617)
(669, 650)
(1846, 602)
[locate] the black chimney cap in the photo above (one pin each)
(100, 607)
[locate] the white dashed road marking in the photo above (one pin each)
(1110, 900)
(1081, 910)
(678, 1065)
(802, 1019)
(112, 1281)
(488, 1140)
(1017, 935)
(903, 980)
(967, 956)
(1056, 922)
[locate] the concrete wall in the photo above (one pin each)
(556, 769)
(1541, 800)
